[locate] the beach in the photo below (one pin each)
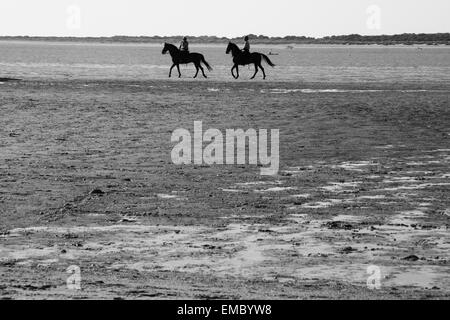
(87, 180)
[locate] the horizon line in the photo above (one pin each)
(222, 37)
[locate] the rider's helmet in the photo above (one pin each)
(246, 38)
(185, 39)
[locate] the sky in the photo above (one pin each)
(228, 18)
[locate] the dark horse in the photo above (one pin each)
(179, 57)
(241, 59)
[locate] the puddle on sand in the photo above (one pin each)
(253, 251)
(423, 276)
(401, 180)
(240, 249)
(172, 196)
(23, 253)
(438, 150)
(274, 186)
(338, 187)
(425, 204)
(355, 166)
(418, 172)
(348, 218)
(276, 189)
(77, 230)
(304, 196)
(322, 204)
(423, 163)
(257, 183)
(375, 197)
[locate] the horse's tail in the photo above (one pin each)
(206, 64)
(267, 60)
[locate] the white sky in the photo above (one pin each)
(221, 18)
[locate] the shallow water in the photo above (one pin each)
(303, 63)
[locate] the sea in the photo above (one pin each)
(298, 63)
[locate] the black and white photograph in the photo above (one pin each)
(194, 150)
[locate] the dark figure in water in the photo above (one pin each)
(181, 57)
(242, 58)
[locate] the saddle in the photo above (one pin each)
(184, 55)
(245, 56)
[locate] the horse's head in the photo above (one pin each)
(165, 49)
(229, 48)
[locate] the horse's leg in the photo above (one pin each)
(196, 67)
(171, 68)
(237, 71)
(179, 72)
(264, 71)
(232, 71)
(203, 71)
(256, 71)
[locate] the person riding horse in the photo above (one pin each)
(246, 50)
(183, 56)
(244, 57)
(246, 45)
(184, 47)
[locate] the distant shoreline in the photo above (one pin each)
(401, 39)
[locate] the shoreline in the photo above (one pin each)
(83, 41)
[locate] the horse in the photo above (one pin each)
(179, 57)
(241, 59)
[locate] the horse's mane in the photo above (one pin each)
(171, 46)
(234, 46)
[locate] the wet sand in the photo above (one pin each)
(86, 179)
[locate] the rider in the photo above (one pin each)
(246, 45)
(184, 46)
(246, 49)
